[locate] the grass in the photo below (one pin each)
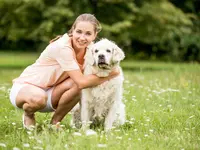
(162, 111)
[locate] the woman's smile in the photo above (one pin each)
(83, 35)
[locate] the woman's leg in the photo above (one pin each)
(64, 97)
(31, 99)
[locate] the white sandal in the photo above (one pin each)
(31, 127)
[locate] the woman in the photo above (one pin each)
(54, 81)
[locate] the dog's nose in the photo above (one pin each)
(101, 56)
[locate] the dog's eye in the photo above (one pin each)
(96, 50)
(108, 50)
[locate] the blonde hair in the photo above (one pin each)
(89, 18)
(83, 17)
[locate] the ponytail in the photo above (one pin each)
(56, 38)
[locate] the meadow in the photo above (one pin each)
(162, 111)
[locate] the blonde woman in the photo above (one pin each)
(53, 83)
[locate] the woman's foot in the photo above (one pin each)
(28, 121)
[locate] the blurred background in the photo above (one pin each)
(164, 30)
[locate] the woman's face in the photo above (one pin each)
(83, 35)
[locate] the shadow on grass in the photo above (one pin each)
(145, 69)
(7, 67)
(125, 68)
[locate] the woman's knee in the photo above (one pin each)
(76, 89)
(39, 100)
(31, 95)
(66, 84)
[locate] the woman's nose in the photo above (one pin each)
(82, 36)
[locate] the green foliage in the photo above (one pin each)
(167, 30)
(159, 22)
(117, 27)
(34, 20)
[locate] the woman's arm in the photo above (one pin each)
(89, 80)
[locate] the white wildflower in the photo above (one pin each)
(169, 106)
(13, 123)
(135, 130)
(101, 145)
(191, 117)
(126, 81)
(26, 145)
(119, 137)
(140, 86)
(66, 146)
(146, 135)
(90, 133)
(131, 122)
(16, 148)
(29, 132)
(77, 134)
(31, 137)
(172, 90)
(2, 145)
(37, 147)
(117, 130)
(3, 88)
(151, 130)
(39, 141)
(148, 119)
(132, 118)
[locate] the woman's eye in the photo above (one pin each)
(78, 31)
(88, 33)
(108, 50)
(96, 50)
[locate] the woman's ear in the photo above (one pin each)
(95, 35)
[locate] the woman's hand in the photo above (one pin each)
(113, 74)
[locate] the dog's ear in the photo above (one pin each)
(89, 59)
(118, 54)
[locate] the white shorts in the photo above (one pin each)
(15, 90)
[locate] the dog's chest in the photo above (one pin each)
(104, 91)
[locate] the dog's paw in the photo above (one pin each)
(90, 132)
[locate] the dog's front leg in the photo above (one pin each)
(85, 116)
(85, 112)
(110, 118)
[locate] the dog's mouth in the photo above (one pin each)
(102, 64)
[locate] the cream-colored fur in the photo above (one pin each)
(103, 102)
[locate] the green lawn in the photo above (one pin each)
(162, 111)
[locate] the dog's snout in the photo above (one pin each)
(101, 56)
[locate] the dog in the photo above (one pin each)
(102, 103)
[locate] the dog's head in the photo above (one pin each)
(104, 54)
